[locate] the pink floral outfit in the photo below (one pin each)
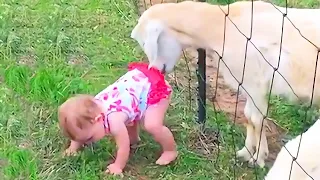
(134, 92)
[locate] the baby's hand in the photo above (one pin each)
(119, 131)
(73, 148)
(114, 169)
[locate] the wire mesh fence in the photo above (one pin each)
(305, 120)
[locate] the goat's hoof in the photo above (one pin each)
(259, 162)
(244, 154)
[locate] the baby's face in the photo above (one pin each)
(95, 132)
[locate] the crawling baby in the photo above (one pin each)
(141, 96)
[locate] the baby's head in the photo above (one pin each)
(80, 119)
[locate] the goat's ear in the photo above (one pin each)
(153, 31)
(136, 34)
(133, 34)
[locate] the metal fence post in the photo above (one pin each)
(201, 74)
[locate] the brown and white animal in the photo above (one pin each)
(165, 29)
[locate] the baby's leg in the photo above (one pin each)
(133, 132)
(153, 123)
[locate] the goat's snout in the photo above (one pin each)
(163, 71)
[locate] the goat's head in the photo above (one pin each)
(162, 48)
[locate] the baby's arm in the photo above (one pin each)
(119, 130)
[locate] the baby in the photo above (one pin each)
(140, 96)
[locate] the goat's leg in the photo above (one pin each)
(247, 151)
(262, 151)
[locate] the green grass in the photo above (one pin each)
(52, 49)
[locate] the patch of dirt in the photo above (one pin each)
(134, 172)
(29, 60)
(24, 145)
(2, 162)
(226, 98)
(78, 59)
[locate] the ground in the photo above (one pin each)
(52, 49)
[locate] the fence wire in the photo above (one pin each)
(201, 76)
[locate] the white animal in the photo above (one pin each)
(307, 164)
(164, 29)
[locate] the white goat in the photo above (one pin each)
(307, 162)
(164, 29)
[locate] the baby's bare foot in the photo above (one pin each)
(167, 157)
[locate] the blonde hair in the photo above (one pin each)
(75, 116)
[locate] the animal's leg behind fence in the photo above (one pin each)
(257, 118)
(250, 143)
